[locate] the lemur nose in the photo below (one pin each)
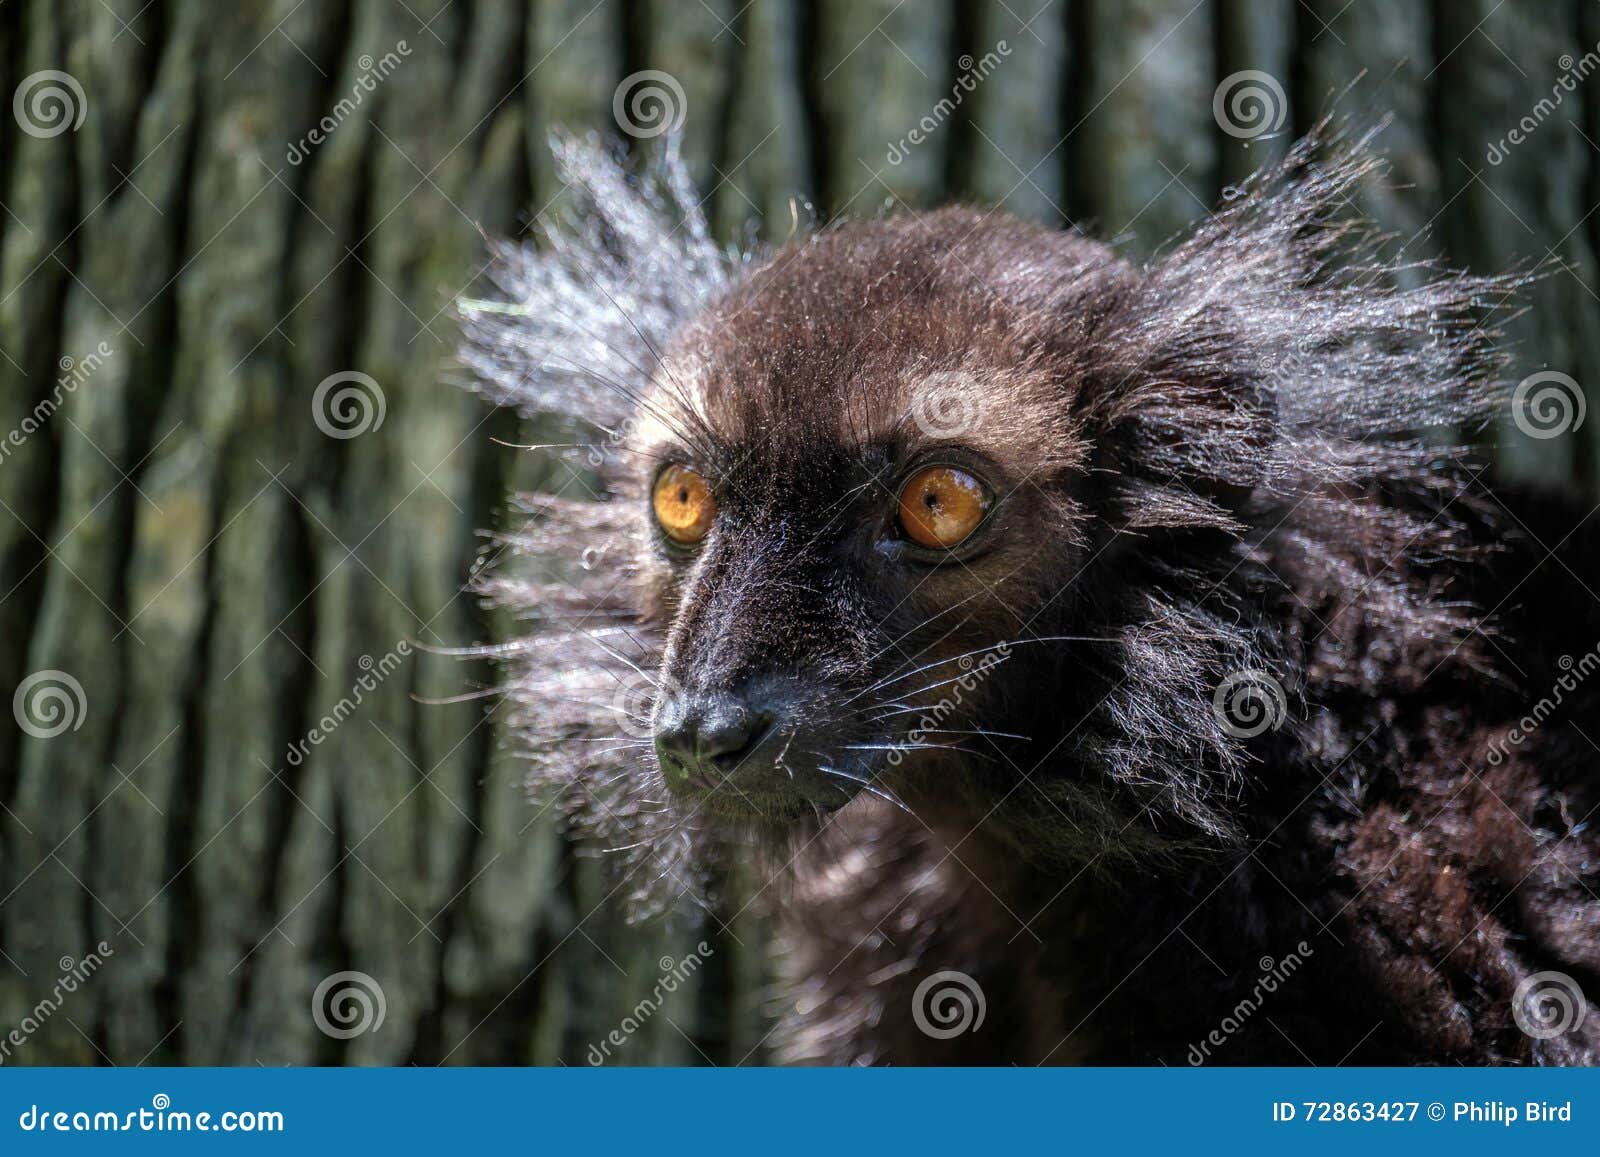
(703, 738)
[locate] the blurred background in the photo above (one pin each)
(238, 498)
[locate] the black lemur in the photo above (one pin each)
(1103, 662)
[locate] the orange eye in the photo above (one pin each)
(941, 506)
(683, 505)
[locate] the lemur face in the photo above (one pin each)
(863, 481)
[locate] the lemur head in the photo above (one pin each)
(957, 512)
(865, 468)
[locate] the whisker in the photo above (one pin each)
(915, 747)
(965, 731)
(895, 643)
(869, 787)
(893, 679)
(463, 697)
(621, 658)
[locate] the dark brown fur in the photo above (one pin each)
(1210, 468)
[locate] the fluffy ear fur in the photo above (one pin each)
(580, 320)
(1239, 391)
(1263, 399)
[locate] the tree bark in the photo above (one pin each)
(265, 197)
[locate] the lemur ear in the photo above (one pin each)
(577, 322)
(1278, 346)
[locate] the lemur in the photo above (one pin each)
(1131, 642)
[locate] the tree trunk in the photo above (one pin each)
(239, 503)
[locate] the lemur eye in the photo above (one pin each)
(683, 505)
(941, 506)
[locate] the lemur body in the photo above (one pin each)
(1103, 634)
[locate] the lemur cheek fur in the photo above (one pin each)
(955, 567)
